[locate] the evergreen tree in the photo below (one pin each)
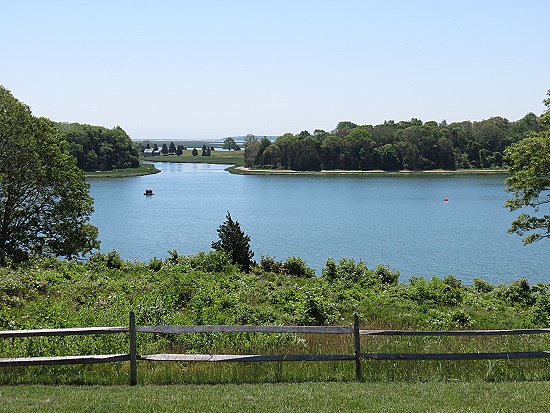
(234, 241)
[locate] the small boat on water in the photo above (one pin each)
(148, 192)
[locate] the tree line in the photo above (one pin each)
(98, 148)
(411, 145)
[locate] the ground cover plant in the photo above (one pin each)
(207, 288)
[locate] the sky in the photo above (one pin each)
(210, 69)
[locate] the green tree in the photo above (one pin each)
(529, 181)
(250, 138)
(45, 203)
(229, 143)
(164, 149)
(194, 152)
(96, 147)
(172, 148)
(234, 241)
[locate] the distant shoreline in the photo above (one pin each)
(242, 170)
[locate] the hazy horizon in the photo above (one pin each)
(210, 69)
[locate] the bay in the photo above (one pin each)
(399, 221)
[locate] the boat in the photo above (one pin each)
(148, 192)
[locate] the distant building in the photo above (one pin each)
(147, 153)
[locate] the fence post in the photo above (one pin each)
(357, 346)
(133, 346)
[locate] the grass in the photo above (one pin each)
(143, 169)
(285, 397)
(218, 157)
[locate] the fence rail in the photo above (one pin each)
(357, 356)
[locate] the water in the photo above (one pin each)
(400, 221)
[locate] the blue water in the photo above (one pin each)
(399, 221)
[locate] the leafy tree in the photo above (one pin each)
(164, 149)
(194, 152)
(249, 139)
(529, 181)
(172, 148)
(234, 241)
(96, 147)
(45, 203)
(179, 150)
(229, 143)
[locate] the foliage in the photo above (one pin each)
(209, 289)
(412, 145)
(44, 200)
(98, 148)
(229, 144)
(529, 182)
(296, 267)
(234, 241)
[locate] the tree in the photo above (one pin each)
(529, 181)
(172, 148)
(249, 139)
(194, 152)
(96, 147)
(234, 241)
(45, 203)
(164, 149)
(229, 143)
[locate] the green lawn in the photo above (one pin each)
(289, 397)
(217, 157)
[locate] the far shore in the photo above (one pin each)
(149, 168)
(242, 170)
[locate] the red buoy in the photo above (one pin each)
(446, 199)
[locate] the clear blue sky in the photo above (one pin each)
(210, 69)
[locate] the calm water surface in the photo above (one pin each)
(401, 221)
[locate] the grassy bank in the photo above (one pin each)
(513, 397)
(143, 169)
(207, 289)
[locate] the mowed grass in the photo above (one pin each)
(284, 397)
(216, 157)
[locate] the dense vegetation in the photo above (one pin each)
(412, 145)
(208, 289)
(44, 201)
(529, 182)
(100, 149)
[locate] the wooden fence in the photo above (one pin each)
(357, 356)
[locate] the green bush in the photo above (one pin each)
(296, 267)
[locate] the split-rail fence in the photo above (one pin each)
(357, 356)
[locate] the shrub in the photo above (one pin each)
(297, 267)
(482, 286)
(213, 261)
(519, 292)
(541, 311)
(385, 276)
(268, 264)
(347, 270)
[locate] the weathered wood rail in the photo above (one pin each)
(357, 356)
